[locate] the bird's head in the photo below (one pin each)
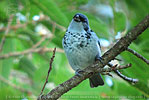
(79, 22)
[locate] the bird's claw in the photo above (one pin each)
(78, 72)
(99, 59)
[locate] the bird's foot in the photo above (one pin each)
(78, 72)
(99, 59)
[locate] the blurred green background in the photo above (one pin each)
(37, 26)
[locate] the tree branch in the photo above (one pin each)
(41, 40)
(138, 55)
(119, 47)
(28, 51)
(115, 67)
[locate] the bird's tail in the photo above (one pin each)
(96, 80)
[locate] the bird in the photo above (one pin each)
(82, 47)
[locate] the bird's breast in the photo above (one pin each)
(77, 41)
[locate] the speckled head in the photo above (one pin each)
(80, 18)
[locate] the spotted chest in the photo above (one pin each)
(76, 40)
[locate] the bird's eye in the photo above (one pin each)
(82, 19)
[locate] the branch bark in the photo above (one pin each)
(50, 68)
(119, 47)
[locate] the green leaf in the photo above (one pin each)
(119, 22)
(3, 11)
(122, 90)
(27, 32)
(27, 66)
(144, 47)
(6, 64)
(13, 93)
(99, 28)
(30, 8)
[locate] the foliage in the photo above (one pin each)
(31, 69)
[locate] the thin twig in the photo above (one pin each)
(115, 67)
(28, 51)
(128, 79)
(121, 75)
(138, 55)
(6, 32)
(50, 68)
(41, 40)
(13, 85)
